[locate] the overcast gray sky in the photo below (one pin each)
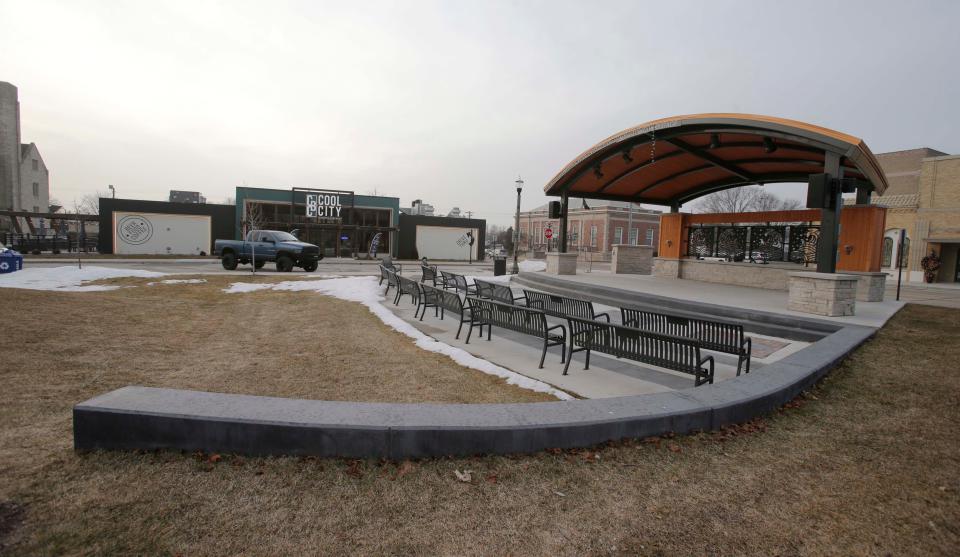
(446, 101)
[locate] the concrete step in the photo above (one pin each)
(760, 322)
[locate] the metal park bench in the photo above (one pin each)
(453, 281)
(561, 306)
(712, 335)
(407, 286)
(671, 352)
(516, 318)
(433, 297)
(391, 277)
(428, 273)
(498, 292)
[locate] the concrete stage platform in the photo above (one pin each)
(646, 288)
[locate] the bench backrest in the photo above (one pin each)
(494, 291)
(671, 352)
(388, 263)
(448, 279)
(508, 316)
(715, 335)
(383, 272)
(560, 306)
(407, 286)
(428, 273)
(449, 301)
(392, 277)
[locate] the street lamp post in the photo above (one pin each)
(113, 192)
(516, 227)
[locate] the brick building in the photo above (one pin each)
(924, 200)
(594, 227)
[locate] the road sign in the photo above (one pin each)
(548, 233)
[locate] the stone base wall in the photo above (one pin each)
(826, 294)
(664, 267)
(561, 263)
(634, 260)
(870, 286)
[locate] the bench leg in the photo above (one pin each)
(587, 366)
(458, 328)
(489, 331)
(570, 359)
(543, 355)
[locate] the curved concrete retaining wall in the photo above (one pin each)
(150, 418)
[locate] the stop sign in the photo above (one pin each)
(548, 233)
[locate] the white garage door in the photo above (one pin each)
(155, 233)
(442, 242)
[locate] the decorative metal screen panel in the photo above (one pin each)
(767, 243)
(793, 243)
(700, 242)
(732, 242)
(803, 244)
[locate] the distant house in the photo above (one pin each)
(34, 180)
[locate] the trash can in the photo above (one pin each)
(499, 266)
(10, 261)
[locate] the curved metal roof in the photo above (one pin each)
(678, 159)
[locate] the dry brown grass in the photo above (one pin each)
(868, 463)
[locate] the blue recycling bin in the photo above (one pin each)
(10, 261)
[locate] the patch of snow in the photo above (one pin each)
(69, 278)
(366, 291)
(530, 266)
(178, 281)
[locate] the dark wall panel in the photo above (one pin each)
(221, 217)
(407, 243)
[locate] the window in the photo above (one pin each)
(633, 236)
(36, 189)
(904, 258)
(887, 252)
(649, 240)
(593, 236)
(618, 235)
(36, 166)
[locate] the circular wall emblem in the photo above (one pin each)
(134, 229)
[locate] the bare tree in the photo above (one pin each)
(89, 204)
(745, 199)
(734, 200)
(253, 219)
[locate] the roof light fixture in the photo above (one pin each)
(768, 145)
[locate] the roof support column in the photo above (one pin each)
(564, 204)
(863, 195)
(828, 244)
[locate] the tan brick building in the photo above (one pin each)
(593, 228)
(924, 200)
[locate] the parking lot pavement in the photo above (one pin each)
(202, 266)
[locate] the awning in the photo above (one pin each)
(678, 159)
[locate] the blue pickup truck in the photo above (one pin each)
(262, 246)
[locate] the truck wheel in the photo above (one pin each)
(284, 264)
(259, 264)
(229, 261)
(310, 266)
